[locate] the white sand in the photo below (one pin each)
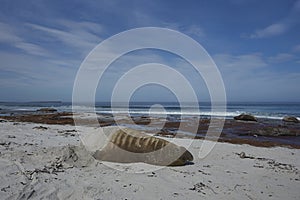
(51, 164)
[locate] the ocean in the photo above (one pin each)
(266, 110)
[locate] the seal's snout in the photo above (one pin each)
(187, 156)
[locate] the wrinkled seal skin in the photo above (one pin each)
(129, 146)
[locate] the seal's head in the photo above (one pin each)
(185, 158)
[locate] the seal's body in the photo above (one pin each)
(128, 145)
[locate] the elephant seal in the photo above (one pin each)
(130, 146)
(245, 117)
(290, 119)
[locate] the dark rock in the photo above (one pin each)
(273, 131)
(290, 119)
(47, 110)
(245, 117)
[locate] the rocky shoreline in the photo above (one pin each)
(261, 132)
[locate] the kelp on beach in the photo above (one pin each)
(264, 133)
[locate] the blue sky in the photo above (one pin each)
(255, 44)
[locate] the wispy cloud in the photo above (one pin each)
(272, 30)
(34, 70)
(83, 35)
(280, 27)
(10, 36)
(296, 48)
(7, 34)
(281, 57)
(240, 62)
(250, 76)
(144, 19)
(32, 48)
(77, 37)
(40, 62)
(192, 30)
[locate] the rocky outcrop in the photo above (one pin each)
(290, 119)
(276, 131)
(245, 117)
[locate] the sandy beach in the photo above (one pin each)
(42, 161)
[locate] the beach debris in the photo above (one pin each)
(183, 172)
(269, 163)
(68, 132)
(290, 119)
(258, 166)
(70, 157)
(40, 127)
(203, 172)
(199, 187)
(243, 155)
(245, 117)
(47, 110)
(5, 188)
(73, 156)
(5, 143)
(152, 174)
(28, 144)
(278, 166)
